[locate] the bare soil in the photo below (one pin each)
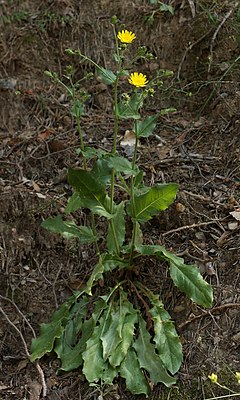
(197, 147)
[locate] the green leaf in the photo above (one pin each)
(91, 191)
(69, 230)
(165, 7)
(127, 331)
(118, 222)
(107, 76)
(74, 203)
(166, 338)
(121, 164)
(156, 199)
(49, 332)
(77, 109)
(149, 359)
(102, 171)
(186, 277)
(139, 235)
(66, 348)
(146, 127)
(129, 109)
(189, 280)
(117, 334)
(131, 371)
(107, 262)
(94, 364)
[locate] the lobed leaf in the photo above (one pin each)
(131, 371)
(149, 359)
(49, 332)
(166, 338)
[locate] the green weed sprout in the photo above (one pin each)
(122, 330)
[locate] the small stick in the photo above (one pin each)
(206, 313)
(181, 228)
(39, 369)
(229, 13)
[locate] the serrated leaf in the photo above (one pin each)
(189, 280)
(91, 191)
(49, 332)
(74, 203)
(69, 230)
(131, 371)
(186, 277)
(166, 338)
(94, 364)
(121, 164)
(118, 224)
(67, 349)
(149, 359)
(156, 199)
(146, 127)
(106, 75)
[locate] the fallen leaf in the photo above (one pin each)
(236, 214)
(45, 135)
(22, 364)
(35, 390)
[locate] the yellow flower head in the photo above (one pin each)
(138, 80)
(126, 36)
(213, 377)
(238, 377)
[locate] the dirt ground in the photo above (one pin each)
(197, 146)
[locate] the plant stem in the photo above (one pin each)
(133, 198)
(81, 142)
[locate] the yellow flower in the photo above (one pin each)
(213, 377)
(238, 377)
(126, 36)
(138, 80)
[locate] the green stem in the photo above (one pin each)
(81, 142)
(132, 197)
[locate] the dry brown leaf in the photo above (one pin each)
(35, 390)
(128, 139)
(22, 364)
(236, 214)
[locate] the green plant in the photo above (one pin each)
(122, 329)
(214, 379)
(162, 7)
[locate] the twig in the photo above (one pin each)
(181, 228)
(229, 13)
(20, 312)
(207, 313)
(188, 49)
(18, 331)
(39, 369)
